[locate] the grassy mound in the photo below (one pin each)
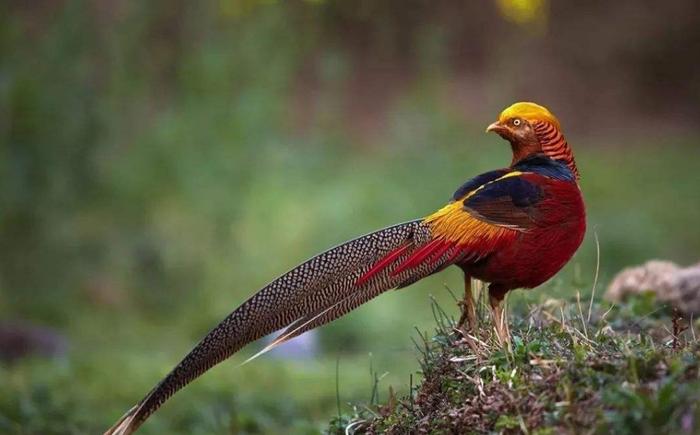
(570, 368)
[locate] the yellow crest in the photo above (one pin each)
(530, 112)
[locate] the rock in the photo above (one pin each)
(20, 339)
(671, 283)
(639, 279)
(683, 289)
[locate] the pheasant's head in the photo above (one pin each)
(532, 129)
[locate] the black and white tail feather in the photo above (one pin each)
(312, 294)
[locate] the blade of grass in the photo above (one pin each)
(597, 271)
(580, 312)
(337, 386)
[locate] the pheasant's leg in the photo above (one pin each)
(499, 319)
(467, 306)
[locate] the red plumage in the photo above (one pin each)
(540, 252)
(513, 228)
(513, 259)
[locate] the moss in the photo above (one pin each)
(556, 377)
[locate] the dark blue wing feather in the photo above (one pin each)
(512, 201)
(477, 182)
(543, 165)
(509, 202)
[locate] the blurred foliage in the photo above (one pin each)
(524, 12)
(159, 161)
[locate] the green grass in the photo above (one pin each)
(620, 372)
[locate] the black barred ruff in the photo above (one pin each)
(554, 145)
(310, 295)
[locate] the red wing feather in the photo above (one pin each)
(382, 264)
(419, 256)
(438, 253)
(432, 252)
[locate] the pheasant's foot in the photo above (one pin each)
(500, 322)
(467, 307)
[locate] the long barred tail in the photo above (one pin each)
(316, 292)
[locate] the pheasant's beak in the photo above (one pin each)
(497, 127)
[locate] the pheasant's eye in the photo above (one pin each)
(517, 122)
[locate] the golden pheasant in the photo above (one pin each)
(513, 228)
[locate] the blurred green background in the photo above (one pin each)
(160, 161)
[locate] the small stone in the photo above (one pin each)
(669, 282)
